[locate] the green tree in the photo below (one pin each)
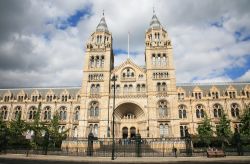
(223, 130)
(37, 127)
(245, 123)
(205, 131)
(3, 133)
(17, 129)
(55, 136)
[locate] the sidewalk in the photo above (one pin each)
(230, 159)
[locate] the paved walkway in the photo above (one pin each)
(231, 159)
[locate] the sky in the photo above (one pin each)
(42, 42)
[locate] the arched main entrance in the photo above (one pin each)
(128, 118)
(124, 132)
(132, 132)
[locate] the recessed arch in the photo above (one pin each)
(129, 108)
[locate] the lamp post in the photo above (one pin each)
(113, 124)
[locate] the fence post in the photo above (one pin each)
(239, 145)
(138, 144)
(188, 141)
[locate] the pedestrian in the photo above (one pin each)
(175, 151)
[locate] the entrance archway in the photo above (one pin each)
(129, 117)
(124, 132)
(128, 111)
(132, 132)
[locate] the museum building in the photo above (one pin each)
(143, 99)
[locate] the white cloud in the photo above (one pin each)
(201, 51)
(245, 76)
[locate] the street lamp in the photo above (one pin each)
(113, 124)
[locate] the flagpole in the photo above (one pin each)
(128, 44)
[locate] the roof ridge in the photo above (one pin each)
(214, 83)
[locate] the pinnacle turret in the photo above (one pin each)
(102, 26)
(155, 23)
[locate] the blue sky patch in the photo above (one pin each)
(121, 51)
(236, 72)
(74, 19)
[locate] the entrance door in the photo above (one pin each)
(132, 132)
(124, 132)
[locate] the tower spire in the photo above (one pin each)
(102, 26)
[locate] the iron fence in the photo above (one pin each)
(102, 147)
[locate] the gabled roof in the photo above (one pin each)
(73, 91)
(126, 63)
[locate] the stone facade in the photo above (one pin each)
(147, 99)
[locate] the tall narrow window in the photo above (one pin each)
(217, 110)
(200, 111)
(76, 113)
(235, 112)
(95, 130)
(94, 109)
(62, 113)
(47, 113)
(4, 112)
(183, 130)
(162, 107)
(182, 111)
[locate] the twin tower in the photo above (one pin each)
(145, 97)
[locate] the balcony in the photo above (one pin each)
(128, 94)
(93, 118)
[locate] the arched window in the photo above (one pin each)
(162, 107)
(95, 131)
(217, 110)
(158, 87)
(153, 59)
(75, 132)
(102, 61)
(117, 90)
(63, 113)
(94, 109)
(4, 112)
(183, 130)
(32, 112)
(92, 62)
(92, 89)
(199, 111)
(76, 113)
(97, 88)
(163, 130)
(125, 89)
(90, 128)
(182, 111)
(97, 61)
(130, 88)
(61, 129)
(17, 112)
(163, 62)
(138, 88)
(164, 86)
(159, 59)
(47, 113)
(143, 88)
(235, 111)
(128, 73)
